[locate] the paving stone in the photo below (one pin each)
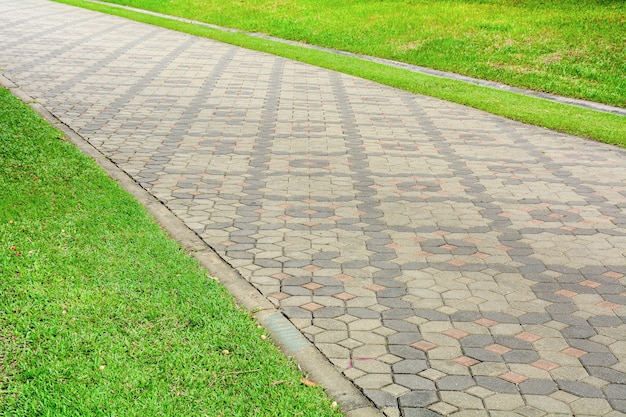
(443, 408)
(406, 352)
(619, 405)
(418, 412)
(414, 382)
(496, 384)
(455, 383)
(404, 338)
(417, 399)
(599, 359)
(372, 218)
(579, 389)
(381, 399)
(538, 387)
(615, 391)
(373, 381)
(409, 366)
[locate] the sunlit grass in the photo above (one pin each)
(573, 48)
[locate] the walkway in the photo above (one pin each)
(447, 261)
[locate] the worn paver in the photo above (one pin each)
(447, 261)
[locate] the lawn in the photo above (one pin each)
(573, 48)
(101, 314)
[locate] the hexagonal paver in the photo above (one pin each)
(445, 260)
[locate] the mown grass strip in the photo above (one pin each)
(591, 124)
(572, 48)
(102, 314)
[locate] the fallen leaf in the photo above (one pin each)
(308, 383)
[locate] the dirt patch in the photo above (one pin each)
(411, 46)
(8, 352)
(551, 58)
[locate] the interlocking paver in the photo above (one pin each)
(437, 255)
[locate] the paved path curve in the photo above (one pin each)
(447, 261)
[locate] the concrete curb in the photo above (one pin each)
(284, 334)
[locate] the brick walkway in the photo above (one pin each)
(447, 261)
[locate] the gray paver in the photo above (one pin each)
(376, 220)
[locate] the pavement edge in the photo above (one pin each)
(284, 334)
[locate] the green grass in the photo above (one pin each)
(101, 314)
(573, 48)
(591, 124)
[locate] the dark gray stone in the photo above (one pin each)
(398, 313)
(400, 325)
(598, 359)
(501, 317)
(568, 319)
(580, 389)
(615, 391)
(608, 374)
(295, 290)
(496, 384)
(329, 312)
(618, 405)
(406, 352)
(391, 292)
(381, 399)
(409, 366)
(418, 399)
(483, 355)
(538, 387)
(589, 346)
(535, 318)
(560, 308)
(465, 316)
(513, 342)
(578, 332)
(296, 313)
(328, 290)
